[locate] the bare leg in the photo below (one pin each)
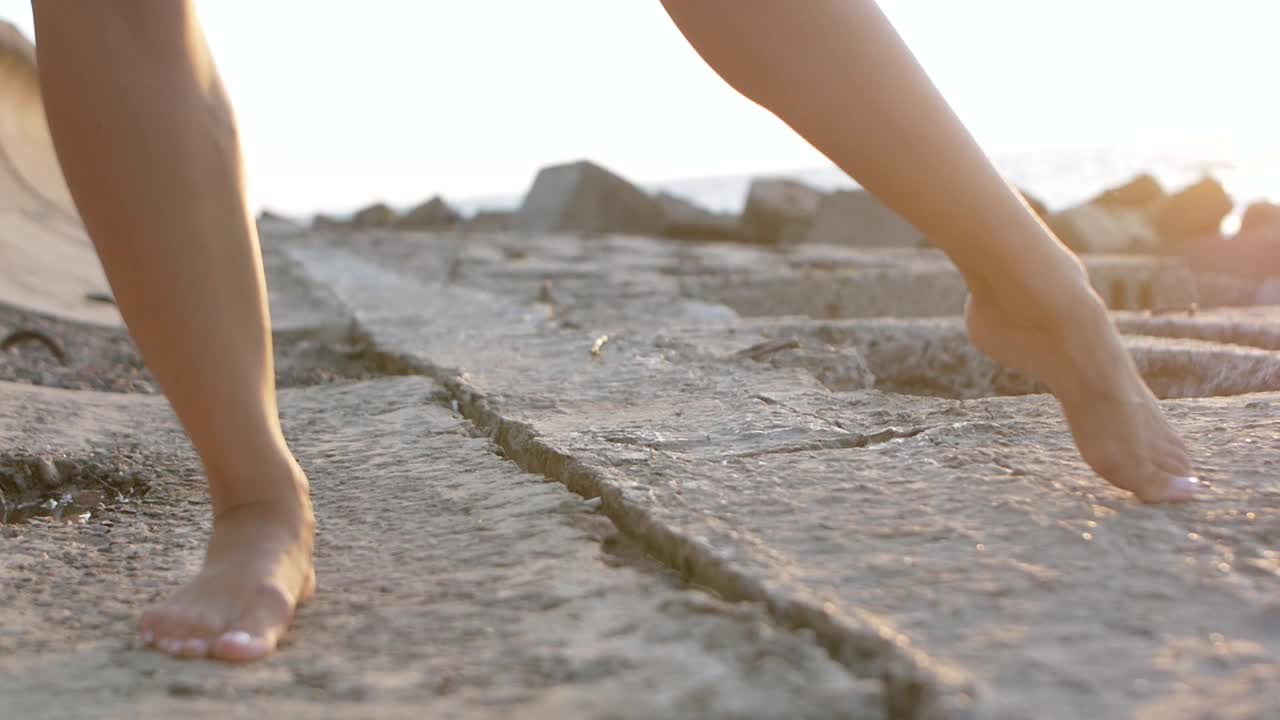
(148, 144)
(837, 72)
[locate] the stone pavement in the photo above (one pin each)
(766, 500)
(453, 585)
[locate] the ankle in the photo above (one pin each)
(278, 487)
(1056, 296)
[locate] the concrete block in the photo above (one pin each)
(584, 197)
(856, 217)
(683, 220)
(432, 214)
(376, 215)
(778, 211)
(1098, 229)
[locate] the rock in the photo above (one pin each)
(584, 197)
(325, 221)
(48, 473)
(684, 220)
(1141, 283)
(1259, 215)
(1252, 254)
(839, 369)
(271, 216)
(434, 213)
(856, 217)
(376, 215)
(1216, 289)
(270, 223)
(1269, 292)
(1197, 210)
(1140, 192)
(1092, 228)
(778, 211)
(490, 221)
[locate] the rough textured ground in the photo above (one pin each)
(452, 585)
(797, 510)
(954, 548)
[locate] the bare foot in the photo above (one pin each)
(1116, 422)
(257, 570)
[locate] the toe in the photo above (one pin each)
(195, 648)
(257, 631)
(1164, 487)
(169, 646)
(1174, 460)
(239, 646)
(1181, 489)
(181, 632)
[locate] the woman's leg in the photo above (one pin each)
(149, 147)
(838, 73)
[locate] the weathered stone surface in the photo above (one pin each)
(434, 213)
(684, 220)
(779, 211)
(298, 305)
(452, 585)
(1098, 229)
(1257, 327)
(1129, 282)
(1219, 289)
(856, 217)
(913, 536)
(584, 197)
(922, 285)
(902, 291)
(374, 216)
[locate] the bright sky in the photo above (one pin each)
(400, 100)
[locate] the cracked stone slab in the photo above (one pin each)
(933, 356)
(1251, 326)
(298, 306)
(956, 549)
(451, 584)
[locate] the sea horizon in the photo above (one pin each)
(1057, 177)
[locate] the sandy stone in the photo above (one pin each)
(957, 547)
(451, 584)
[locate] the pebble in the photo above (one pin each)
(48, 472)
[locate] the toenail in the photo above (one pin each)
(170, 646)
(195, 647)
(238, 637)
(148, 637)
(242, 646)
(1181, 488)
